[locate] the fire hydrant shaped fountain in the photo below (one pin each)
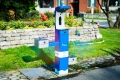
(60, 43)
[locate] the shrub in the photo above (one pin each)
(95, 11)
(49, 23)
(19, 7)
(92, 22)
(71, 21)
(2, 25)
(33, 13)
(34, 24)
(49, 14)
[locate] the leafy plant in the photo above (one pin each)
(49, 14)
(92, 22)
(2, 25)
(34, 24)
(49, 23)
(33, 13)
(95, 11)
(19, 7)
(72, 21)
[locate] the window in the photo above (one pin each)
(59, 3)
(90, 3)
(112, 3)
(51, 3)
(66, 2)
(42, 4)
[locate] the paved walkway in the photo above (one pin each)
(12, 75)
(109, 73)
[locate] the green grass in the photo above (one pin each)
(110, 45)
(97, 18)
(12, 58)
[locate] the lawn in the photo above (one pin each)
(14, 58)
(97, 18)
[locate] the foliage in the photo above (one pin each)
(92, 22)
(34, 24)
(37, 22)
(95, 11)
(20, 8)
(89, 11)
(2, 25)
(49, 14)
(72, 21)
(26, 25)
(33, 13)
(49, 23)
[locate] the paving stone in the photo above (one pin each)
(11, 77)
(23, 79)
(4, 79)
(16, 78)
(15, 74)
(2, 74)
(22, 76)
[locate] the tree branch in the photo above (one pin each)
(101, 7)
(107, 6)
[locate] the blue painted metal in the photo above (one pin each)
(53, 44)
(61, 42)
(63, 39)
(61, 36)
(62, 8)
(61, 63)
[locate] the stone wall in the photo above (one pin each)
(13, 38)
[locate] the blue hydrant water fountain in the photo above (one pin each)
(60, 43)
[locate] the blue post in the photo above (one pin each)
(60, 43)
(61, 36)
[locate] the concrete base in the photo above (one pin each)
(61, 72)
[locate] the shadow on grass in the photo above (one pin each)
(116, 50)
(109, 53)
(40, 55)
(112, 53)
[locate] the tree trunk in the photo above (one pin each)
(116, 25)
(110, 23)
(106, 12)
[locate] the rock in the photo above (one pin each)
(79, 70)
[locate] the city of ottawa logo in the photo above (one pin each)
(64, 44)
